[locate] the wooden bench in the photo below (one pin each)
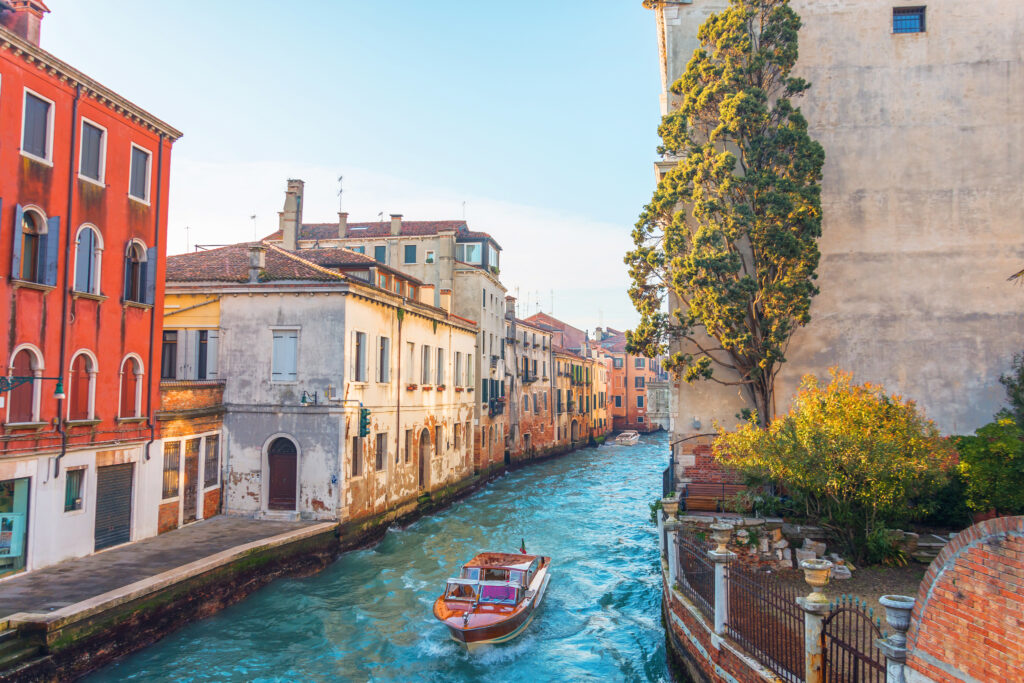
(709, 497)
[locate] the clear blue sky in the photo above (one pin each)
(540, 115)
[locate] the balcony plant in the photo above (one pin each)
(411, 387)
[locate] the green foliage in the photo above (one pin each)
(655, 506)
(992, 466)
(852, 458)
(732, 230)
(753, 537)
(882, 549)
(949, 504)
(1014, 383)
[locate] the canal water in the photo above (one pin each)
(368, 616)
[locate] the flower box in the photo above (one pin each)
(442, 387)
(458, 388)
(412, 387)
(427, 387)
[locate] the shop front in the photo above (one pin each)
(14, 495)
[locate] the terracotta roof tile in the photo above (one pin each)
(231, 264)
(328, 231)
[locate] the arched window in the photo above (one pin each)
(88, 253)
(82, 387)
(33, 227)
(131, 387)
(135, 273)
(23, 400)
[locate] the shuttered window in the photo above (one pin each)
(81, 388)
(138, 184)
(211, 460)
(357, 456)
(410, 253)
(87, 262)
(440, 366)
(380, 254)
(36, 133)
(169, 355)
(425, 364)
(172, 463)
(91, 163)
(284, 364)
(22, 397)
(381, 450)
(384, 360)
(359, 356)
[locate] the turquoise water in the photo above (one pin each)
(368, 615)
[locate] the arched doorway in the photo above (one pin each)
(574, 431)
(282, 476)
(424, 457)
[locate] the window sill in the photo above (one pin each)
(38, 160)
(128, 420)
(93, 181)
(74, 513)
(138, 200)
(137, 304)
(16, 283)
(172, 499)
(26, 425)
(89, 295)
(82, 423)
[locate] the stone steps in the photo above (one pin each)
(14, 650)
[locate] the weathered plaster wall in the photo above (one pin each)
(922, 200)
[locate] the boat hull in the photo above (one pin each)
(503, 631)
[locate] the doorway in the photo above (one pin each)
(190, 493)
(282, 459)
(424, 456)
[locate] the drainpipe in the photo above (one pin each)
(398, 393)
(152, 312)
(67, 269)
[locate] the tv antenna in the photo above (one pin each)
(255, 230)
(463, 210)
(339, 192)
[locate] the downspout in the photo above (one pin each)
(398, 393)
(67, 269)
(152, 312)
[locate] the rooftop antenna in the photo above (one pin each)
(339, 192)
(255, 234)
(381, 216)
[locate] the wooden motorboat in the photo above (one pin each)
(494, 598)
(629, 438)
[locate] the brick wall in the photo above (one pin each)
(168, 517)
(189, 395)
(968, 622)
(211, 503)
(697, 464)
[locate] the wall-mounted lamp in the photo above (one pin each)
(10, 383)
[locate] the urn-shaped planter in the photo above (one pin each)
(816, 573)
(722, 534)
(670, 506)
(897, 616)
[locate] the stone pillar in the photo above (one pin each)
(672, 550)
(815, 607)
(721, 556)
(897, 616)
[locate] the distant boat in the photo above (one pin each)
(494, 598)
(629, 438)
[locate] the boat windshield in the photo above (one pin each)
(471, 573)
(497, 593)
(516, 576)
(495, 574)
(461, 590)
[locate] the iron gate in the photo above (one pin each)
(848, 647)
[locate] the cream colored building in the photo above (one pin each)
(923, 200)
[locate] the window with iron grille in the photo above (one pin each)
(211, 460)
(172, 463)
(73, 489)
(908, 19)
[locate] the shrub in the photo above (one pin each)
(992, 466)
(1014, 383)
(851, 458)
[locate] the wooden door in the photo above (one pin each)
(282, 476)
(190, 492)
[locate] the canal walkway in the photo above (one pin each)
(367, 616)
(84, 579)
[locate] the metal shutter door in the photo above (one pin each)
(113, 505)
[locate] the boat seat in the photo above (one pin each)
(709, 497)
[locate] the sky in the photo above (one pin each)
(536, 121)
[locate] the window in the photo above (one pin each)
(458, 436)
(425, 364)
(23, 399)
(483, 391)
(440, 366)
(206, 354)
(138, 280)
(359, 250)
(545, 400)
(640, 420)
(639, 401)
(429, 258)
(535, 410)
(908, 19)
(469, 369)
(492, 256)
(457, 375)
(284, 367)
(484, 295)
(131, 388)
(469, 252)
(172, 462)
(80, 394)
(410, 253)
(211, 461)
(380, 254)
(638, 382)
(408, 446)
(73, 489)
(138, 179)
(37, 129)
(88, 253)
(92, 163)
(526, 403)
(358, 357)
(35, 248)
(638, 363)
(384, 360)
(357, 456)
(381, 450)
(169, 355)
(410, 360)
(618, 401)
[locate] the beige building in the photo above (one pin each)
(458, 263)
(920, 110)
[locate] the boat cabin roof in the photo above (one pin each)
(501, 561)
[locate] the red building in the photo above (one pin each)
(83, 219)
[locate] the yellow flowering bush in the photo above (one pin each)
(851, 458)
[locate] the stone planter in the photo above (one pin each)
(897, 616)
(816, 574)
(670, 506)
(722, 534)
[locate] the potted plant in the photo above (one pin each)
(458, 388)
(427, 387)
(442, 387)
(412, 387)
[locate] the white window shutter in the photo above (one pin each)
(212, 345)
(352, 357)
(376, 362)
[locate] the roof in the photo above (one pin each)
(329, 231)
(342, 257)
(231, 264)
(572, 337)
(534, 326)
(502, 561)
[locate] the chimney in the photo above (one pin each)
(396, 224)
(257, 261)
(427, 294)
(510, 307)
(342, 224)
(23, 17)
(446, 300)
(291, 217)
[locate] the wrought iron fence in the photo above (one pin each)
(697, 581)
(765, 619)
(848, 647)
